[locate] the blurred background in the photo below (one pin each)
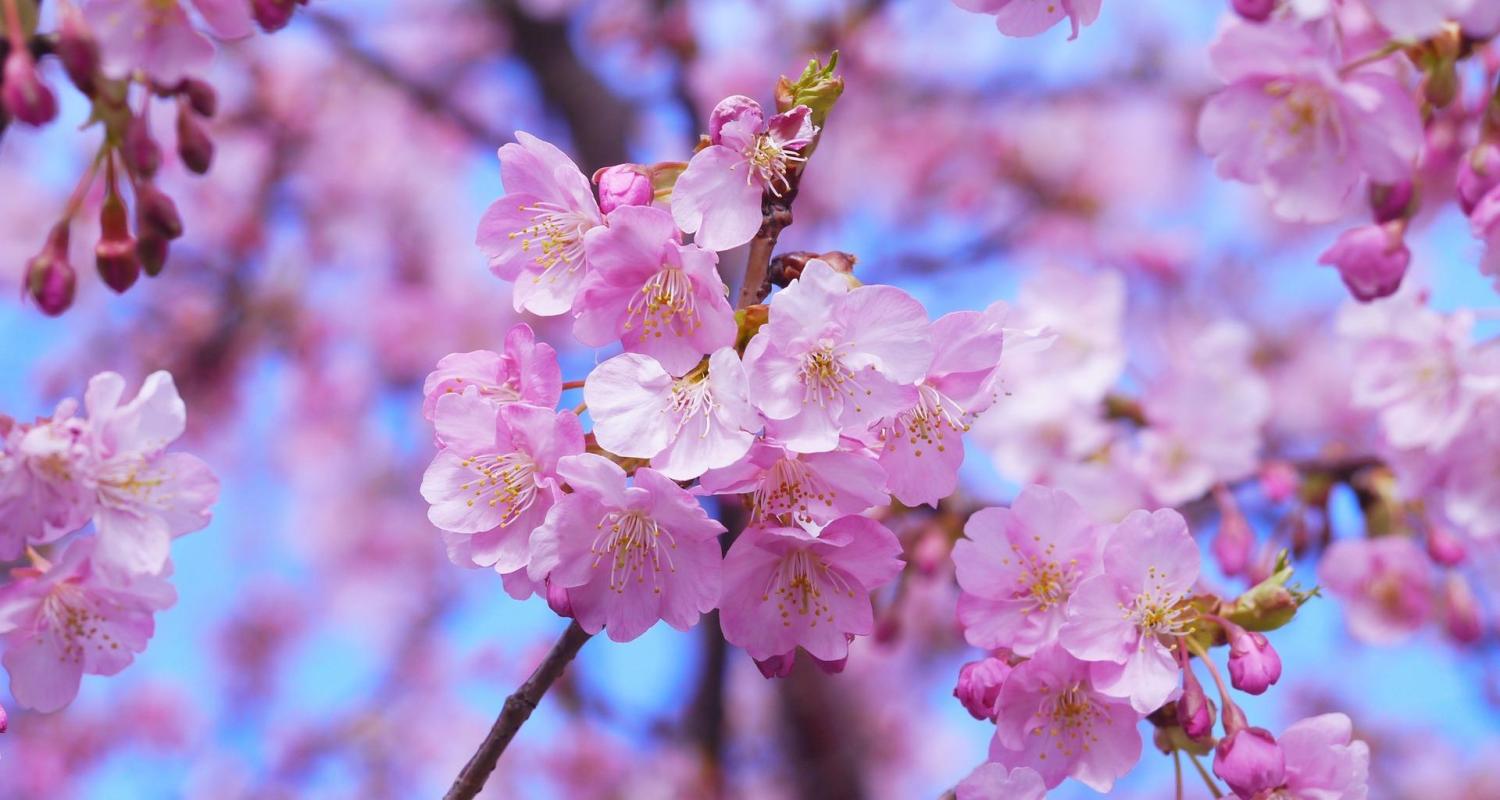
(323, 645)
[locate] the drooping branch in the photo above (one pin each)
(515, 712)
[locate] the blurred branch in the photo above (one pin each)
(820, 747)
(515, 712)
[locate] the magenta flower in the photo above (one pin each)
(534, 234)
(979, 685)
(922, 446)
(1308, 133)
(686, 425)
(808, 489)
(1254, 664)
(526, 372)
(833, 358)
(1385, 583)
(151, 35)
(1054, 721)
(1031, 17)
(786, 588)
(1118, 619)
(146, 497)
(656, 295)
(991, 781)
(1323, 761)
(1251, 761)
(624, 185)
(1370, 259)
(497, 475)
(628, 556)
(60, 621)
(718, 196)
(1019, 566)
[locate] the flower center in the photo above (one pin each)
(790, 487)
(68, 614)
(692, 398)
(1302, 113)
(554, 237)
(927, 423)
(1157, 611)
(1043, 580)
(506, 481)
(633, 544)
(771, 161)
(825, 377)
(1069, 719)
(664, 303)
(797, 584)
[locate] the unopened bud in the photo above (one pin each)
(1254, 10)
(623, 185)
(50, 279)
(202, 97)
(979, 685)
(140, 150)
(818, 88)
(1390, 202)
(1195, 712)
(272, 15)
(77, 49)
(1372, 261)
(115, 254)
(1235, 540)
(1478, 173)
(1250, 761)
(155, 211)
(1254, 664)
(193, 143)
(558, 600)
(152, 249)
(23, 93)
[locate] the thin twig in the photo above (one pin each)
(517, 710)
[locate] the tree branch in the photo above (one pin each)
(516, 711)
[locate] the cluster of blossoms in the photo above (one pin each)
(121, 56)
(84, 602)
(1092, 628)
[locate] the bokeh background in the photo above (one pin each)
(323, 646)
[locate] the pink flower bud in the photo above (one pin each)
(77, 49)
(115, 254)
(193, 143)
(776, 666)
(1461, 611)
(1254, 664)
(154, 210)
(557, 600)
(1477, 175)
(202, 97)
(272, 15)
(1371, 260)
(1254, 10)
(50, 280)
(1389, 202)
(1278, 480)
(623, 185)
(152, 249)
(1250, 761)
(4, 720)
(1195, 712)
(979, 684)
(140, 150)
(1443, 547)
(1235, 540)
(23, 93)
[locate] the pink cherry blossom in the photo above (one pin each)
(1307, 132)
(152, 35)
(1018, 567)
(1054, 721)
(1386, 585)
(46, 487)
(526, 372)
(1031, 17)
(808, 489)
(686, 425)
(922, 446)
(534, 234)
(1323, 760)
(1251, 761)
(979, 685)
(833, 358)
(991, 781)
(77, 616)
(718, 196)
(657, 295)
(628, 555)
(1149, 563)
(785, 588)
(497, 476)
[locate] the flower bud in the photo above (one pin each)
(202, 97)
(1390, 202)
(1235, 540)
(1254, 10)
(4, 720)
(1371, 259)
(1443, 547)
(154, 210)
(776, 666)
(152, 249)
(115, 254)
(1195, 712)
(193, 143)
(271, 15)
(623, 185)
(140, 150)
(50, 279)
(23, 93)
(979, 684)
(558, 600)
(77, 49)
(818, 88)
(1278, 480)
(1461, 611)
(1477, 175)
(1254, 664)
(1250, 761)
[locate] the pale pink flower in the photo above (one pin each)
(832, 358)
(1386, 585)
(1054, 721)
(146, 496)
(1031, 17)
(497, 475)
(1470, 493)
(808, 489)
(628, 555)
(1307, 132)
(1019, 566)
(46, 480)
(991, 781)
(653, 293)
(1118, 619)
(60, 621)
(152, 35)
(686, 425)
(718, 196)
(1323, 760)
(922, 446)
(1417, 21)
(526, 372)
(1484, 221)
(786, 588)
(534, 234)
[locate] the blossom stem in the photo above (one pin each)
(517, 710)
(1213, 788)
(1370, 58)
(572, 385)
(776, 215)
(1177, 771)
(1213, 670)
(75, 200)
(579, 409)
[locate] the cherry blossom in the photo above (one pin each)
(1386, 584)
(991, 781)
(526, 372)
(1031, 17)
(810, 489)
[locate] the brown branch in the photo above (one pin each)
(515, 712)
